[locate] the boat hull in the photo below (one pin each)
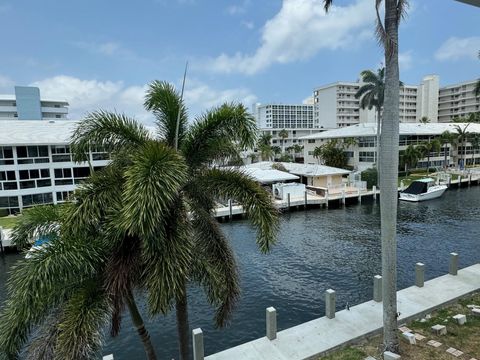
(431, 194)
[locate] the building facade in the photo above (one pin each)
(457, 100)
(26, 104)
(335, 105)
(36, 165)
(363, 154)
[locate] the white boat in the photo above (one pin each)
(423, 189)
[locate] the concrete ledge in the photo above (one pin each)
(321, 336)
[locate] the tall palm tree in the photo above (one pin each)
(447, 138)
(264, 139)
(266, 152)
(462, 134)
(427, 148)
(424, 120)
(410, 155)
(283, 134)
(387, 33)
(475, 142)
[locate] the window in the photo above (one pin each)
(29, 200)
(6, 155)
(63, 173)
(311, 141)
(8, 202)
(61, 153)
(81, 172)
(63, 195)
(366, 141)
(366, 156)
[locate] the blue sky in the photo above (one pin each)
(101, 54)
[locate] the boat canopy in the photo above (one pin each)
(417, 187)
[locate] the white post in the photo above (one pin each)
(198, 350)
(230, 209)
(419, 274)
(326, 199)
(377, 288)
(271, 318)
(453, 266)
(343, 197)
(330, 303)
(374, 189)
(306, 199)
(288, 201)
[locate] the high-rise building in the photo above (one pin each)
(457, 100)
(26, 104)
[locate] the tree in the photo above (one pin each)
(387, 33)
(298, 149)
(283, 134)
(410, 157)
(446, 138)
(332, 153)
(476, 91)
(427, 148)
(277, 150)
(475, 142)
(266, 152)
(462, 135)
(264, 139)
(424, 120)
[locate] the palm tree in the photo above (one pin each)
(387, 33)
(427, 148)
(462, 135)
(424, 120)
(332, 153)
(277, 150)
(475, 142)
(411, 155)
(283, 134)
(266, 152)
(298, 149)
(264, 139)
(446, 138)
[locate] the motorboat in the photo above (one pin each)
(423, 189)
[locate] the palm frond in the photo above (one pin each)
(218, 134)
(81, 330)
(215, 267)
(35, 222)
(152, 181)
(107, 130)
(327, 4)
(44, 340)
(256, 201)
(165, 102)
(476, 91)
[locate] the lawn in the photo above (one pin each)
(465, 338)
(8, 221)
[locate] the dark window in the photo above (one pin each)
(34, 174)
(21, 151)
(43, 151)
(3, 176)
(81, 172)
(44, 182)
(23, 175)
(10, 186)
(6, 162)
(11, 175)
(32, 151)
(64, 182)
(25, 161)
(8, 201)
(42, 160)
(27, 184)
(44, 173)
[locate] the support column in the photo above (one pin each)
(377, 288)
(374, 189)
(198, 349)
(271, 318)
(419, 274)
(330, 303)
(453, 266)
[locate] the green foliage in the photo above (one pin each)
(370, 176)
(279, 166)
(333, 153)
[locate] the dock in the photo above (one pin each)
(324, 335)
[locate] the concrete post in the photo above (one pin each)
(377, 288)
(343, 197)
(374, 189)
(453, 266)
(198, 350)
(326, 199)
(330, 303)
(419, 274)
(271, 323)
(288, 201)
(230, 209)
(359, 196)
(469, 179)
(306, 199)
(402, 185)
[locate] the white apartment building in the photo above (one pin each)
(36, 165)
(363, 154)
(457, 100)
(26, 104)
(335, 104)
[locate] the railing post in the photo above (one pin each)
(343, 197)
(271, 318)
(198, 349)
(359, 196)
(377, 288)
(330, 303)
(326, 199)
(453, 266)
(419, 274)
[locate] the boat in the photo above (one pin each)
(423, 189)
(40, 244)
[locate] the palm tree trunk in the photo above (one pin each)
(379, 110)
(140, 326)
(183, 328)
(445, 153)
(428, 162)
(388, 181)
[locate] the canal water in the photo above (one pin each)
(316, 250)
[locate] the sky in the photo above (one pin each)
(102, 54)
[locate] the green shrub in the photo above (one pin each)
(370, 176)
(3, 212)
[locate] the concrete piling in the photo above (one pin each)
(271, 318)
(330, 303)
(230, 209)
(374, 189)
(198, 349)
(453, 266)
(419, 274)
(288, 201)
(377, 288)
(306, 200)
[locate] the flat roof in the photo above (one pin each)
(13, 98)
(370, 129)
(267, 176)
(301, 169)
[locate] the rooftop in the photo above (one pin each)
(13, 98)
(267, 176)
(370, 129)
(301, 169)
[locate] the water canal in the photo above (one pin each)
(317, 249)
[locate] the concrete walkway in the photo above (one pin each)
(316, 337)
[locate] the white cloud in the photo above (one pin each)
(238, 9)
(248, 24)
(405, 60)
(89, 95)
(300, 30)
(457, 48)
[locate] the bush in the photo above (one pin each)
(370, 176)
(3, 212)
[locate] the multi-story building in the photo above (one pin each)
(36, 166)
(363, 153)
(457, 100)
(335, 104)
(26, 104)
